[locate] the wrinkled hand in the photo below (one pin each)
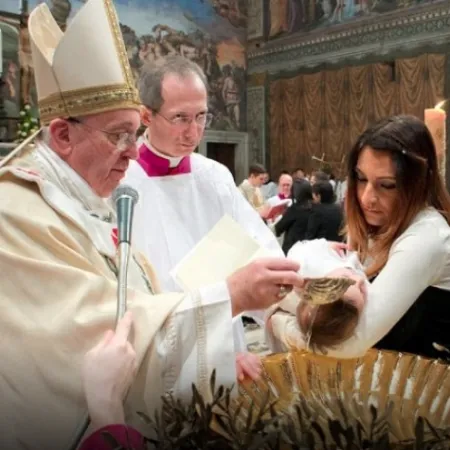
(248, 365)
(339, 247)
(257, 285)
(108, 371)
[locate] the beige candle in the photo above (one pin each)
(435, 121)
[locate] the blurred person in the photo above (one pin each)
(319, 176)
(269, 188)
(294, 223)
(298, 174)
(327, 218)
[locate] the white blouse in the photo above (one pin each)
(419, 258)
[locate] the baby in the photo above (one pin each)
(307, 320)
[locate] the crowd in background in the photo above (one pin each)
(298, 206)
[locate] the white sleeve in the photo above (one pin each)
(198, 339)
(416, 261)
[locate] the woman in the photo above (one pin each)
(398, 214)
(327, 217)
(294, 222)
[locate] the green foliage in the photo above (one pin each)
(223, 424)
(28, 124)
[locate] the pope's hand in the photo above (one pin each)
(262, 283)
(248, 365)
(108, 371)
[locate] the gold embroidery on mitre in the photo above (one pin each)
(92, 100)
(118, 41)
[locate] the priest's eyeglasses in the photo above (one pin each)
(183, 121)
(122, 140)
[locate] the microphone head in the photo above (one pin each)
(125, 191)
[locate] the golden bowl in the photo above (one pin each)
(404, 387)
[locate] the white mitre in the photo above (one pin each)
(84, 70)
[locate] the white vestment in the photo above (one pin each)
(175, 212)
(58, 292)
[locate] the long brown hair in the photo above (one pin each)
(418, 181)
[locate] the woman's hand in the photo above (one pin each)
(108, 371)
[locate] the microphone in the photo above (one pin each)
(125, 198)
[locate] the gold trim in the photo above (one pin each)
(202, 353)
(111, 13)
(92, 100)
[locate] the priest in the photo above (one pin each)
(58, 257)
(182, 193)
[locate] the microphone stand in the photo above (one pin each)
(122, 284)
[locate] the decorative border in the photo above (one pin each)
(255, 7)
(261, 126)
(424, 25)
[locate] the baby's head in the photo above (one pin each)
(331, 324)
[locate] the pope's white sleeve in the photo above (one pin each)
(197, 339)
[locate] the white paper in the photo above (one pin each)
(226, 248)
(275, 201)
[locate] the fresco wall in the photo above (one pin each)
(290, 16)
(210, 32)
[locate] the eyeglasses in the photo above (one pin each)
(121, 140)
(182, 121)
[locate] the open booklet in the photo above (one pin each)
(277, 207)
(277, 201)
(226, 248)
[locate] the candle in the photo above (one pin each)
(435, 121)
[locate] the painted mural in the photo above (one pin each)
(290, 16)
(209, 32)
